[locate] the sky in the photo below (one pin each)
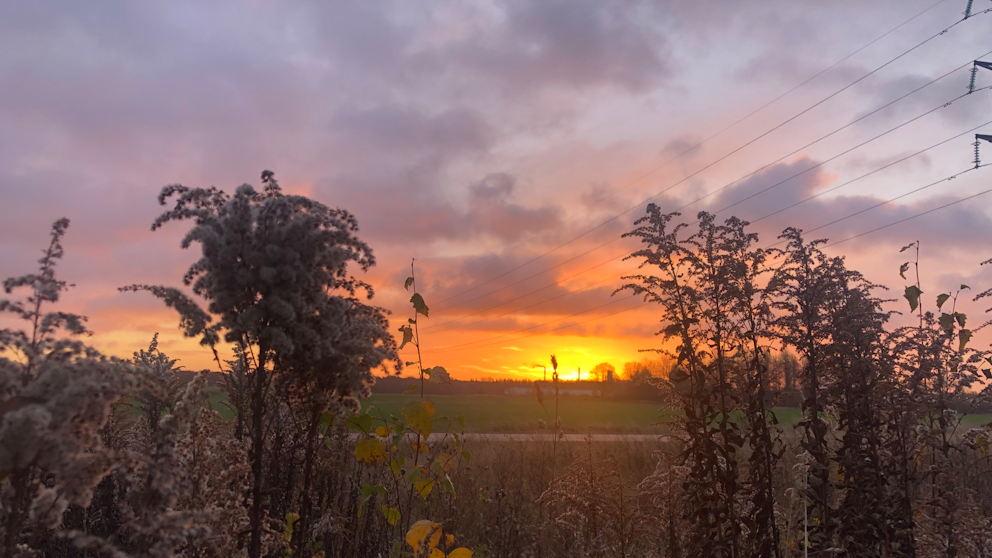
(505, 146)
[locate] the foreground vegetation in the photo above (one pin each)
(101, 456)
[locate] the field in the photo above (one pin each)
(579, 415)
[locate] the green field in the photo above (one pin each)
(579, 415)
(497, 413)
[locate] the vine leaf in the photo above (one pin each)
(912, 294)
(417, 536)
(362, 422)
(419, 415)
(424, 487)
(961, 318)
(448, 486)
(407, 336)
(370, 451)
(392, 515)
(941, 299)
(963, 337)
(947, 322)
(418, 304)
(409, 281)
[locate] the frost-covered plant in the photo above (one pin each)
(56, 394)
(274, 274)
(162, 388)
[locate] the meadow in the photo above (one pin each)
(579, 415)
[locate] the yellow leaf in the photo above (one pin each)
(383, 431)
(422, 529)
(420, 414)
(436, 553)
(460, 553)
(424, 487)
(449, 540)
(370, 451)
(446, 461)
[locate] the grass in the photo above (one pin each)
(498, 413)
(581, 415)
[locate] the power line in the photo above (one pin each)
(833, 188)
(911, 217)
(841, 154)
(879, 204)
(818, 103)
(458, 348)
(488, 341)
(752, 173)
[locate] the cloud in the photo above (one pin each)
(541, 43)
(409, 208)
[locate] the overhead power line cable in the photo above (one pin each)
(750, 174)
(773, 129)
(492, 340)
(911, 217)
(879, 169)
(754, 112)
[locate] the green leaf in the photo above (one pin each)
(907, 247)
(367, 491)
(941, 299)
(461, 421)
(902, 270)
(407, 283)
(396, 465)
(947, 322)
(291, 519)
(447, 485)
(419, 414)
(439, 375)
(411, 388)
(912, 294)
(409, 363)
(414, 475)
(407, 335)
(418, 304)
(392, 515)
(961, 318)
(362, 422)
(467, 455)
(963, 287)
(963, 337)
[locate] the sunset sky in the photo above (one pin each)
(492, 141)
